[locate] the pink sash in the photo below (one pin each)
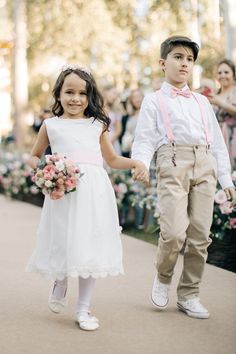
(85, 157)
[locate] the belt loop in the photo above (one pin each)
(174, 153)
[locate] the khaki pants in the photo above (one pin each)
(185, 199)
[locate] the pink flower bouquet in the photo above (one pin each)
(56, 175)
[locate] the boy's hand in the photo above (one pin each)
(231, 195)
(140, 172)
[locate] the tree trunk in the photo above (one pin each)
(20, 72)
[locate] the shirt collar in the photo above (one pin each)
(167, 88)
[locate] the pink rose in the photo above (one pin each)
(60, 181)
(220, 197)
(70, 184)
(233, 223)
(49, 172)
(225, 208)
(56, 194)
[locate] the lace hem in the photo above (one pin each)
(76, 272)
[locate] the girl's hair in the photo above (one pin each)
(95, 99)
(230, 64)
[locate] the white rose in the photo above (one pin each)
(3, 169)
(48, 184)
(40, 182)
(59, 165)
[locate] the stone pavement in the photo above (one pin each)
(129, 325)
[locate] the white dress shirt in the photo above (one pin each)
(186, 123)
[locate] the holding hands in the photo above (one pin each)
(231, 196)
(140, 172)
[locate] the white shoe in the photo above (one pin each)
(159, 294)
(54, 304)
(193, 308)
(87, 323)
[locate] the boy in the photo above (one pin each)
(191, 155)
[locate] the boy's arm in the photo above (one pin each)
(220, 152)
(145, 140)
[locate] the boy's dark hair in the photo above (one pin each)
(175, 41)
(95, 99)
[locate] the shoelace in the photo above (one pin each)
(161, 289)
(191, 303)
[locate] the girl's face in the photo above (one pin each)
(73, 96)
(225, 75)
(136, 99)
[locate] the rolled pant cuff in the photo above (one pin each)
(164, 280)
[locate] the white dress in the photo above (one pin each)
(79, 234)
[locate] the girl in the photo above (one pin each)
(79, 234)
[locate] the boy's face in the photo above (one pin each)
(178, 66)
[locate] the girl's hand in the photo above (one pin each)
(231, 195)
(140, 172)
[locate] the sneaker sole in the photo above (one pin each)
(87, 328)
(158, 306)
(193, 314)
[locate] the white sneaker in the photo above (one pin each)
(193, 308)
(87, 323)
(159, 294)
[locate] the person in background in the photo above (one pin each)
(207, 87)
(110, 95)
(135, 99)
(38, 121)
(224, 103)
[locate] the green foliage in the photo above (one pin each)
(118, 39)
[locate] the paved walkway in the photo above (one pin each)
(129, 325)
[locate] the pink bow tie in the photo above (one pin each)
(175, 92)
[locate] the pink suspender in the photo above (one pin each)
(203, 116)
(166, 120)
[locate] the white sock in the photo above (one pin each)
(60, 287)
(85, 293)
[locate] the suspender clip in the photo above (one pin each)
(174, 153)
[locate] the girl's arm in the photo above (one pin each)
(39, 147)
(122, 163)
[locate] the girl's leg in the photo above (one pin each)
(85, 293)
(56, 301)
(60, 288)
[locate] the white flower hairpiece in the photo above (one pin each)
(76, 67)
